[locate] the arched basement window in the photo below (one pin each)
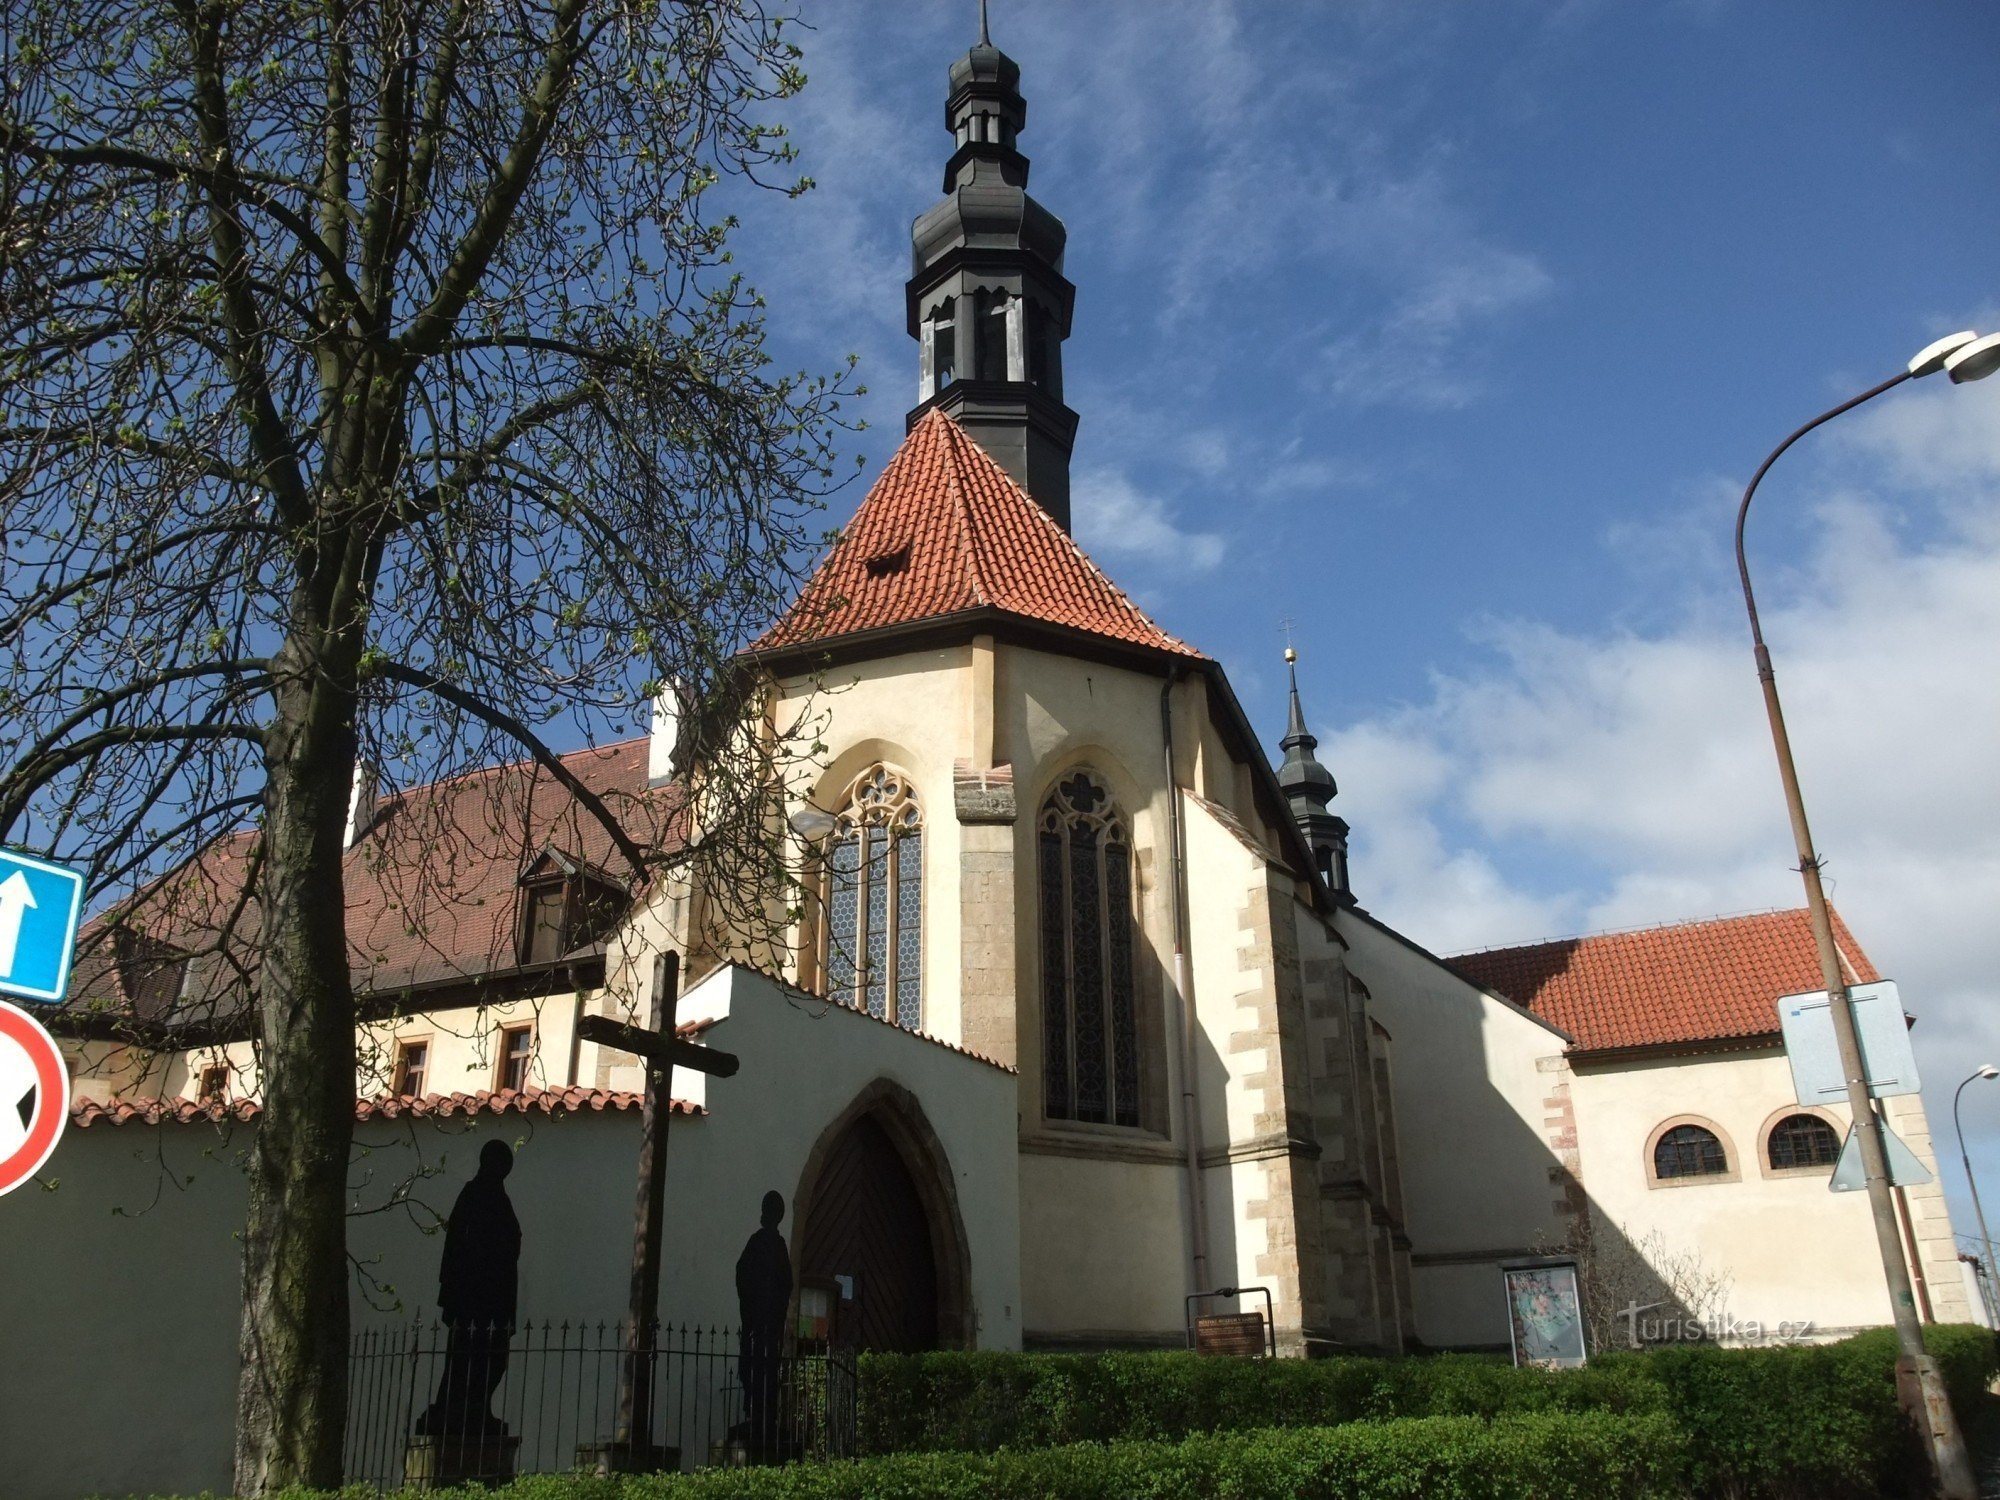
(1689, 1151)
(871, 941)
(1090, 1043)
(1802, 1141)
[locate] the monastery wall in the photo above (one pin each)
(1792, 1251)
(1481, 1169)
(132, 1387)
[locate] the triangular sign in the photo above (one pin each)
(1904, 1168)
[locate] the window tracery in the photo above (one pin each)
(1090, 1052)
(871, 894)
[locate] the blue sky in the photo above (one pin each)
(1452, 332)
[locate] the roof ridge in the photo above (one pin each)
(1041, 517)
(1639, 929)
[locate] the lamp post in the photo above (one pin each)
(1986, 1070)
(1964, 356)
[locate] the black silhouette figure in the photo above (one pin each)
(478, 1283)
(763, 1296)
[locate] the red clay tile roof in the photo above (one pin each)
(433, 885)
(384, 1106)
(946, 529)
(1695, 982)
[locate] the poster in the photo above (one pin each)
(1544, 1314)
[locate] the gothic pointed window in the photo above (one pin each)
(871, 900)
(1090, 1043)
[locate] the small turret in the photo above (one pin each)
(1308, 786)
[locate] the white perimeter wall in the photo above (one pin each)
(118, 1306)
(1469, 1110)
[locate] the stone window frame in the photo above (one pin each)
(1705, 1179)
(881, 795)
(203, 1072)
(1777, 1117)
(501, 1034)
(401, 1044)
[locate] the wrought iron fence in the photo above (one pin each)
(414, 1416)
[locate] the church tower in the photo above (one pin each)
(988, 303)
(1308, 786)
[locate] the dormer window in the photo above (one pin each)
(566, 904)
(151, 972)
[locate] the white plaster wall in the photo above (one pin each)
(464, 1051)
(910, 711)
(123, 1279)
(1794, 1251)
(1103, 1254)
(1469, 1118)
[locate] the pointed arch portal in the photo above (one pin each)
(875, 1205)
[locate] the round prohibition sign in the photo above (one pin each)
(34, 1096)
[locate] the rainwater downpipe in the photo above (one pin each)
(1184, 988)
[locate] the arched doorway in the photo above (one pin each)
(877, 1216)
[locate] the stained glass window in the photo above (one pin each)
(871, 899)
(1090, 1044)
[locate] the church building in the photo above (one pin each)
(1081, 1019)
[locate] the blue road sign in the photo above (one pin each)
(40, 906)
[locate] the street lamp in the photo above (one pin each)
(1986, 1070)
(1965, 357)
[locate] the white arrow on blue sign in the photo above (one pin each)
(40, 906)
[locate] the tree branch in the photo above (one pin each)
(480, 709)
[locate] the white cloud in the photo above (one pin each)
(1606, 779)
(1114, 519)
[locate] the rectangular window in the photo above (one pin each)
(412, 1063)
(214, 1084)
(517, 1049)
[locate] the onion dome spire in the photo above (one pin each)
(987, 300)
(1308, 787)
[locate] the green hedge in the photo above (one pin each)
(1531, 1456)
(1809, 1420)
(978, 1402)
(1746, 1424)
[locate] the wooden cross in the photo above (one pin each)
(662, 1051)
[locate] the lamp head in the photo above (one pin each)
(812, 823)
(1931, 358)
(1974, 361)
(1987, 1070)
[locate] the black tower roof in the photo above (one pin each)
(987, 297)
(1302, 777)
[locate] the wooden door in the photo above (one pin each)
(867, 1224)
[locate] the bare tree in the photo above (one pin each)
(1628, 1286)
(373, 387)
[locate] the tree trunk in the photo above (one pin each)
(292, 1390)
